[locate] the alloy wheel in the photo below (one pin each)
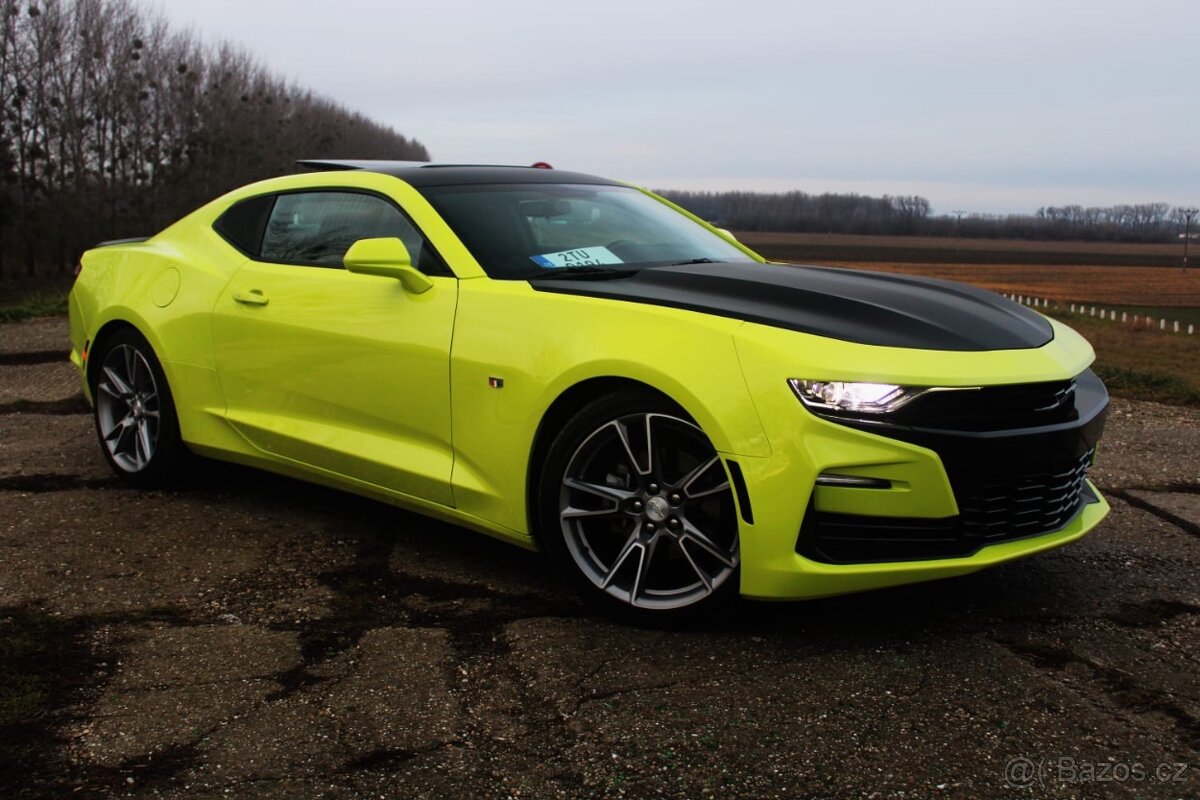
(647, 513)
(127, 408)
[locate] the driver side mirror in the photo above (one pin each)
(387, 258)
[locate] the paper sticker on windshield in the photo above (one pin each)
(583, 257)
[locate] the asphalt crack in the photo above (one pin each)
(475, 629)
(388, 758)
(1166, 516)
(49, 669)
(1117, 685)
(1152, 613)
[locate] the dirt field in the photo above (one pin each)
(1113, 286)
(817, 248)
(254, 637)
(1170, 249)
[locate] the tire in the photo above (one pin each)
(134, 412)
(636, 512)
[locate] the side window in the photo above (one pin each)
(317, 228)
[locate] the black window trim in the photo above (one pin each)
(444, 272)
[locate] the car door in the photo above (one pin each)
(345, 373)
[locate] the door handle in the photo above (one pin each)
(254, 297)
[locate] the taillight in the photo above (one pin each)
(541, 165)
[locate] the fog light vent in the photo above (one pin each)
(852, 481)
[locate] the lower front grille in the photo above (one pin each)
(996, 510)
(991, 512)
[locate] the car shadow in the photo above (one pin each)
(445, 564)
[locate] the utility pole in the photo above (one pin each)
(1188, 213)
(957, 222)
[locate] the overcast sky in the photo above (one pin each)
(996, 106)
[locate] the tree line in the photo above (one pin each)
(114, 124)
(911, 215)
(808, 213)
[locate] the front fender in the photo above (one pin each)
(541, 344)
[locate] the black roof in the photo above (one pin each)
(420, 173)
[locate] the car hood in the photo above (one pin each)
(852, 305)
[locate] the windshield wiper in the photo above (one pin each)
(581, 273)
(695, 261)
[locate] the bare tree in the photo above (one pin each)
(113, 123)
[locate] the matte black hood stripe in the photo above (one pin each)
(852, 305)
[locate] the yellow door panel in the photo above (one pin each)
(348, 372)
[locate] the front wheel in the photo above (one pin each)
(636, 509)
(134, 412)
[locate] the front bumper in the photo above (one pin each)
(940, 503)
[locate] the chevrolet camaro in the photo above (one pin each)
(576, 365)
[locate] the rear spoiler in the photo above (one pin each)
(130, 240)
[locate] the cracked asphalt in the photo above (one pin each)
(255, 637)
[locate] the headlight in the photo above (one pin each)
(865, 398)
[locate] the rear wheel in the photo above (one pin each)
(636, 510)
(134, 411)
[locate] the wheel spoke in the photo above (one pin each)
(118, 430)
(109, 390)
(649, 447)
(643, 570)
(130, 365)
(714, 490)
(631, 545)
(610, 493)
(147, 446)
(123, 389)
(693, 534)
(704, 577)
(694, 475)
(623, 435)
(570, 512)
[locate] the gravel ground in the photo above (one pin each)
(256, 637)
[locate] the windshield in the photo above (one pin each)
(529, 230)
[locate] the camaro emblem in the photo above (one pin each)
(657, 509)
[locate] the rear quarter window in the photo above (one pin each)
(243, 224)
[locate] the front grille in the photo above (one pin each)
(1010, 480)
(992, 407)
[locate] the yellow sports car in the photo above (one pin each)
(576, 365)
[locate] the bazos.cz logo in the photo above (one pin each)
(1023, 772)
